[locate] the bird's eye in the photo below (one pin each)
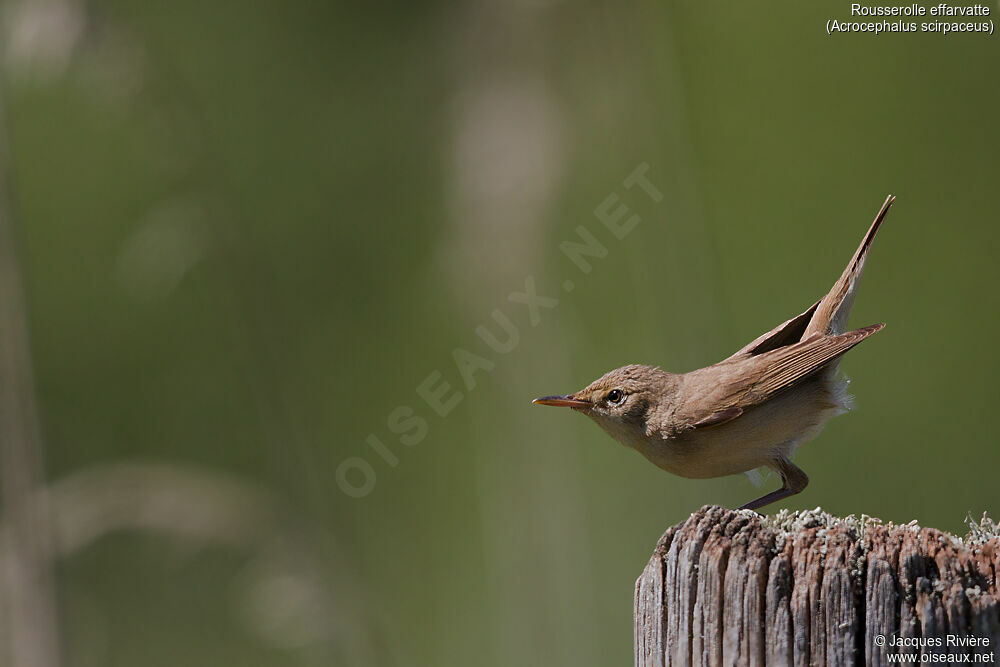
(615, 396)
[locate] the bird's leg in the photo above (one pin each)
(793, 481)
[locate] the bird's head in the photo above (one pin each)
(620, 401)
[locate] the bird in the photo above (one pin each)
(748, 411)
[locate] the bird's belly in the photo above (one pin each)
(754, 439)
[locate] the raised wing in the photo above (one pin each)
(784, 334)
(829, 314)
(729, 388)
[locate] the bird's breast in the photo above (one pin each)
(752, 440)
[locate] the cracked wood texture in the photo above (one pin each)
(805, 588)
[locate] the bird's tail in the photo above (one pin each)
(831, 313)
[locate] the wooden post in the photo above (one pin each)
(805, 588)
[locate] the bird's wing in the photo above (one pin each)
(829, 314)
(724, 391)
(784, 334)
(719, 417)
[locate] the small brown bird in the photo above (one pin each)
(750, 410)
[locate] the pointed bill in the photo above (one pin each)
(562, 401)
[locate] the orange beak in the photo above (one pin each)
(562, 401)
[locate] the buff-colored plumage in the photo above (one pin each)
(749, 410)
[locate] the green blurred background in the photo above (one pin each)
(247, 233)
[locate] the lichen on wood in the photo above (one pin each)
(806, 588)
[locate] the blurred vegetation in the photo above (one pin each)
(248, 234)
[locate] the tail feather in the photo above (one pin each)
(831, 314)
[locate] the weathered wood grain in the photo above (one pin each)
(805, 588)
